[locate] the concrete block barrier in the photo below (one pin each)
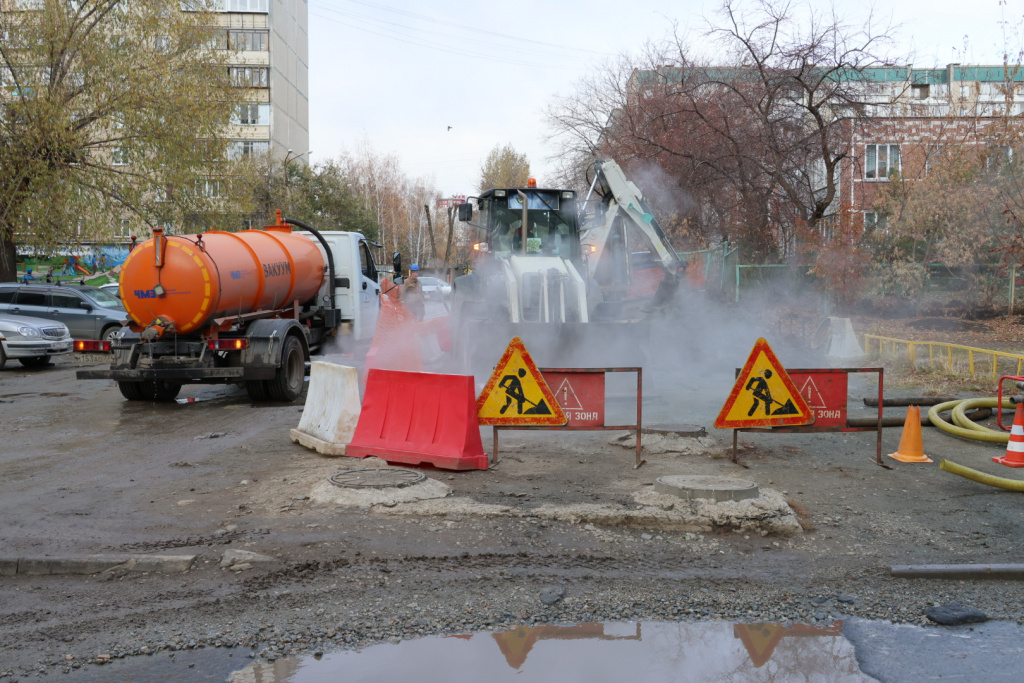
(331, 412)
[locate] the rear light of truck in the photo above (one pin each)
(227, 344)
(92, 345)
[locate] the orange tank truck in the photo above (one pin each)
(182, 284)
(248, 308)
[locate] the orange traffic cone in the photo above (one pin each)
(911, 449)
(1015, 446)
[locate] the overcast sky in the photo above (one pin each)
(398, 73)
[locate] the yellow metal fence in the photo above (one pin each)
(892, 344)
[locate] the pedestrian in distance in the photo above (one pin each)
(412, 292)
(28, 277)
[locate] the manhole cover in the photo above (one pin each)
(703, 486)
(378, 478)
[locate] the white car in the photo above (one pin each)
(435, 288)
(32, 341)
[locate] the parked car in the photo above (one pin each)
(113, 288)
(435, 288)
(32, 341)
(88, 312)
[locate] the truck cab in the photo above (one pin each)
(356, 282)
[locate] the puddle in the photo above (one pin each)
(632, 652)
(642, 652)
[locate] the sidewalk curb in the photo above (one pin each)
(94, 564)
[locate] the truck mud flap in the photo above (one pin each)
(176, 374)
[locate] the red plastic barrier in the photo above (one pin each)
(439, 327)
(417, 418)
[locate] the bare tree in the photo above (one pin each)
(757, 137)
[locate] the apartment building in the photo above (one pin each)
(910, 114)
(892, 120)
(270, 39)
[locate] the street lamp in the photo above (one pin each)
(288, 158)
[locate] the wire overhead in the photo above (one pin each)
(423, 31)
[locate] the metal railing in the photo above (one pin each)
(912, 347)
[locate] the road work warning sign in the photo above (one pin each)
(516, 394)
(764, 395)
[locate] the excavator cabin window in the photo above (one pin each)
(550, 229)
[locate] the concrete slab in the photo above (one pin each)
(8, 567)
(689, 487)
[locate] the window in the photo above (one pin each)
(123, 228)
(218, 41)
(209, 187)
(252, 114)
(242, 149)
(242, 5)
(881, 161)
(920, 92)
(225, 5)
(64, 301)
(32, 298)
(249, 41)
(119, 157)
(250, 76)
(873, 221)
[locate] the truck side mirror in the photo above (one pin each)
(396, 263)
(465, 212)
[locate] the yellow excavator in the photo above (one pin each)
(576, 280)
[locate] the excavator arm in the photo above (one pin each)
(623, 202)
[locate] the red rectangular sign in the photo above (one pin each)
(826, 395)
(580, 395)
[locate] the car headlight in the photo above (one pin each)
(28, 332)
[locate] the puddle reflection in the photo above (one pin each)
(634, 652)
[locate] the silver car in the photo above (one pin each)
(32, 341)
(435, 288)
(88, 312)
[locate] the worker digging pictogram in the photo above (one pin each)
(758, 388)
(516, 393)
(764, 395)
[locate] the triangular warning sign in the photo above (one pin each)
(759, 639)
(811, 394)
(567, 397)
(516, 393)
(764, 395)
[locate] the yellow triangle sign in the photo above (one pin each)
(764, 395)
(516, 393)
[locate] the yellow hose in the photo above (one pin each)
(963, 427)
(981, 477)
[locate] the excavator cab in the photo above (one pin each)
(551, 224)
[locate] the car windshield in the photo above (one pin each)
(104, 298)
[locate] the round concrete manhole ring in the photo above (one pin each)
(377, 478)
(704, 486)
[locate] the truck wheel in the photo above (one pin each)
(164, 391)
(3, 357)
(257, 390)
(287, 383)
(35, 362)
(134, 391)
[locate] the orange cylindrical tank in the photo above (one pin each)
(187, 281)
